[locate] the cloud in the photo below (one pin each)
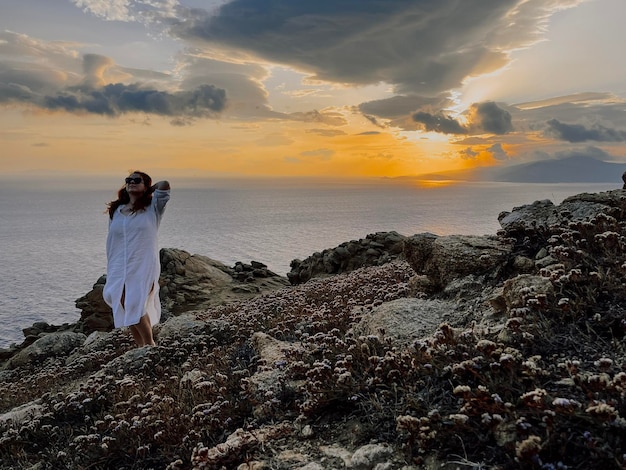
(419, 47)
(116, 99)
(498, 152)
(439, 123)
(396, 111)
(330, 118)
(579, 133)
(489, 117)
(325, 132)
(400, 106)
(243, 84)
(468, 154)
(56, 78)
(482, 118)
(589, 151)
(273, 140)
(146, 11)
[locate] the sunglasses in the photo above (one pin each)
(135, 180)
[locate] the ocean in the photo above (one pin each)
(52, 239)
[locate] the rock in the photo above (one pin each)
(443, 259)
(518, 289)
(375, 249)
(95, 314)
(50, 345)
(523, 264)
(95, 338)
(420, 285)
(22, 413)
(418, 250)
(371, 456)
(271, 378)
(190, 281)
(129, 363)
(96, 341)
(186, 325)
(404, 320)
(543, 214)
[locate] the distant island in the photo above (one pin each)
(574, 169)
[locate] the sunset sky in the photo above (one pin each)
(351, 88)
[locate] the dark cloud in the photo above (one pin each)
(116, 99)
(439, 123)
(396, 111)
(13, 92)
(374, 120)
(400, 106)
(579, 133)
(483, 118)
(419, 46)
(489, 117)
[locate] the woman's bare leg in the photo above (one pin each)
(137, 335)
(144, 329)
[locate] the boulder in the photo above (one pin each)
(518, 290)
(190, 281)
(373, 250)
(544, 214)
(443, 259)
(404, 320)
(95, 314)
(186, 325)
(51, 345)
(129, 363)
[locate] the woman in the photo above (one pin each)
(133, 265)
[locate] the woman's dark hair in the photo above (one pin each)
(123, 197)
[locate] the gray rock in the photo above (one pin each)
(525, 286)
(22, 413)
(51, 345)
(404, 320)
(131, 362)
(375, 249)
(371, 456)
(185, 325)
(443, 259)
(543, 214)
(271, 377)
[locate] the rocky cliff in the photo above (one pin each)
(390, 352)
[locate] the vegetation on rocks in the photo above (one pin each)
(527, 370)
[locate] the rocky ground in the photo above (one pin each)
(389, 352)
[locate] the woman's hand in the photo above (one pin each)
(162, 185)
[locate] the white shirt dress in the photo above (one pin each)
(133, 264)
